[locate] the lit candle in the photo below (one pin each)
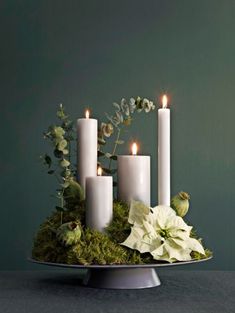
(87, 148)
(164, 153)
(99, 201)
(134, 177)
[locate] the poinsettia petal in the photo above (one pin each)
(195, 245)
(161, 213)
(149, 229)
(176, 253)
(137, 240)
(158, 251)
(181, 243)
(164, 257)
(138, 211)
(179, 233)
(178, 223)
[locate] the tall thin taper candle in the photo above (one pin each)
(164, 153)
(87, 148)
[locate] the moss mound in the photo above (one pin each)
(93, 247)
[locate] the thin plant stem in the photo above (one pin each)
(62, 205)
(115, 146)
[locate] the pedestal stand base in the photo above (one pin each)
(122, 278)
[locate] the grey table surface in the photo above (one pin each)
(61, 291)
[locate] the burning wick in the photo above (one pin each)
(134, 148)
(87, 114)
(99, 171)
(164, 101)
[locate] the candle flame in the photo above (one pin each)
(164, 101)
(87, 113)
(99, 171)
(134, 148)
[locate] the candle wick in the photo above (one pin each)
(164, 101)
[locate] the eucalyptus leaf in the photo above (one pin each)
(111, 119)
(119, 117)
(108, 155)
(47, 160)
(60, 209)
(117, 106)
(100, 153)
(62, 145)
(115, 121)
(58, 154)
(123, 104)
(64, 163)
(119, 142)
(65, 151)
(101, 141)
(113, 157)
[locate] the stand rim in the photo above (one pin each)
(119, 266)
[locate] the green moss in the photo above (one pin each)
(46, 247)
(198, 256)
(119, 229)
(97, 248)
(93, 247)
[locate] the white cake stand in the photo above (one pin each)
(121, 276)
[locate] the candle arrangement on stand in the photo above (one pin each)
(134, 177)
(97, 229)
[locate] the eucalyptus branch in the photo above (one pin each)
(61, 136)
(121, 118)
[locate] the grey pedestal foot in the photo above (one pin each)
(118, 278)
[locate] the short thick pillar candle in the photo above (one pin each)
(164, 153)
(134, 177)
(87, 148)
(99, 201)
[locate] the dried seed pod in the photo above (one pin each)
(180, 203)
(69, 233)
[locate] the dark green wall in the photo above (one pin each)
(95, 52)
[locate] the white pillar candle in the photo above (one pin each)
(164, 153)
(134, 177)
(99, 201)
(87, 148)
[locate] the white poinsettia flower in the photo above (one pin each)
(160, 232)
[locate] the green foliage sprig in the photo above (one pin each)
(59, 164)
(114, 126)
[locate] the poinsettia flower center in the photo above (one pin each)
(164, 233)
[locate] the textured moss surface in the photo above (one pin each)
(93, 247)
